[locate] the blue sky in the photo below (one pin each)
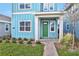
(6, 8)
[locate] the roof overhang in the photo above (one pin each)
(50, 13)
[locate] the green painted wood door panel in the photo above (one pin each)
(45, 29)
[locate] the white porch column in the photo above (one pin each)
(60, 28)
(36, 28)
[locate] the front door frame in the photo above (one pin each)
(48, 28)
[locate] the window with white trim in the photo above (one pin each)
(7, 27)
(48, 7)
(45, 7)
(52, 24)
(25, 26)
(25, 6)
(51, 7)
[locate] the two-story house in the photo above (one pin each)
(37, 21)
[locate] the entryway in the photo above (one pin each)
(45, 29)
(42, 31)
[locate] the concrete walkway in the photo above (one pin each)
(49, 49)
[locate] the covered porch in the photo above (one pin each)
(48, 25)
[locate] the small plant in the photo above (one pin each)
(7, 41)
(4, 38)
(38, 42)
(21, 41)
(8, 38)
(31, 39)
(14, 40)
(25, 39)
(29, 42)
(0, 41)
(19, 38)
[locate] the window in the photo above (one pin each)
(7, 27)
(67, 26)
(25, 26)
(25, 6)
(21, 6)
(52, 25)
(45, 6)
(51, 6)
(48, 6)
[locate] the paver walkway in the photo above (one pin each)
(50, 49)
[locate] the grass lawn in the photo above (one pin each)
(63, 52)
(13, 49)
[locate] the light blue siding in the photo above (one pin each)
(35, 7)
(15, 26)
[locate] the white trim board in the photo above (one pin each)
(58, 12)
(5, 21)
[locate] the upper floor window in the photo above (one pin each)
(45, 7)
(51, 7)
(25, 26)
(48, 6)
(25, 6)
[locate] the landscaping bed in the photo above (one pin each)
(65, 52)
(66, 48)
(20, 47)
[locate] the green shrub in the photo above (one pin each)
(38, 42)
(21, 41)
(19, 38)
(67, 39)
(4, 38)
(13, 38)
(13, 41)
(25, 39)
(8, 38)
(0, 41)
(29, 42)
(31, 39)
(7, 41)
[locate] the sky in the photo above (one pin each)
(6, 8)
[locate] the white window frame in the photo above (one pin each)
(50, 25)
(25, 6)
(25, 21)
(5, 28)
(50, 4)
(67, 27)
(45, 5)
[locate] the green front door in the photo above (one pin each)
(45, 29)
